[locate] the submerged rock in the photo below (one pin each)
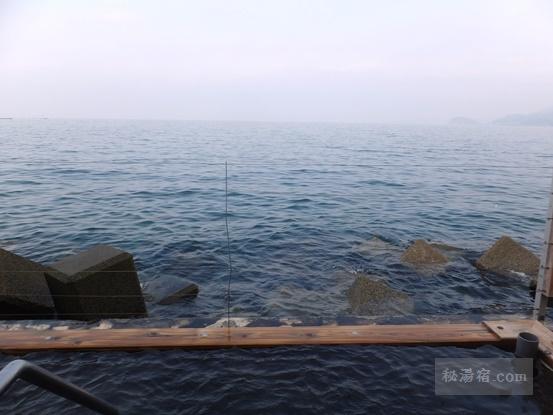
(24, 293)
(169, 290)
(376, 246)
(98, 283)
(422, 253)
(371, 296)
(507, 256)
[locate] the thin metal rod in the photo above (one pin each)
(21, 369)
(228, 250)
(543, 289)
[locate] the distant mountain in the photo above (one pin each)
(535, 118)
(463, 121)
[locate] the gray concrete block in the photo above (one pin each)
(98, 283)
(422, 253)
(24, 293)
(168, 290)
(368, 295)
(507, 256)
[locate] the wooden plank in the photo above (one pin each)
(164, 338)
(509, 330)
(546, 266)
(544, 286)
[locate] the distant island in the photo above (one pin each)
(542, 118)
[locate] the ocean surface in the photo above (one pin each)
(299, 380)
(304, 202)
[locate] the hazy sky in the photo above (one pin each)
(278, 60)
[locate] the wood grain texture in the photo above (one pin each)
(509, 330)
(169, 338)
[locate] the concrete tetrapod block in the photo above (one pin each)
(506, 256)
(422, 253)
(24, 293)
(369, 295)
(98, 283)
(168, 290)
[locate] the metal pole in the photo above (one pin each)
(544, 286)
(21, 369)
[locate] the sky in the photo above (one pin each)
(401, 61)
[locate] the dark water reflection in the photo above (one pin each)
(299, 380)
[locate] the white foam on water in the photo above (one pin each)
(104, 325)
(234, 322)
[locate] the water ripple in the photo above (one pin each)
(302, 197)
